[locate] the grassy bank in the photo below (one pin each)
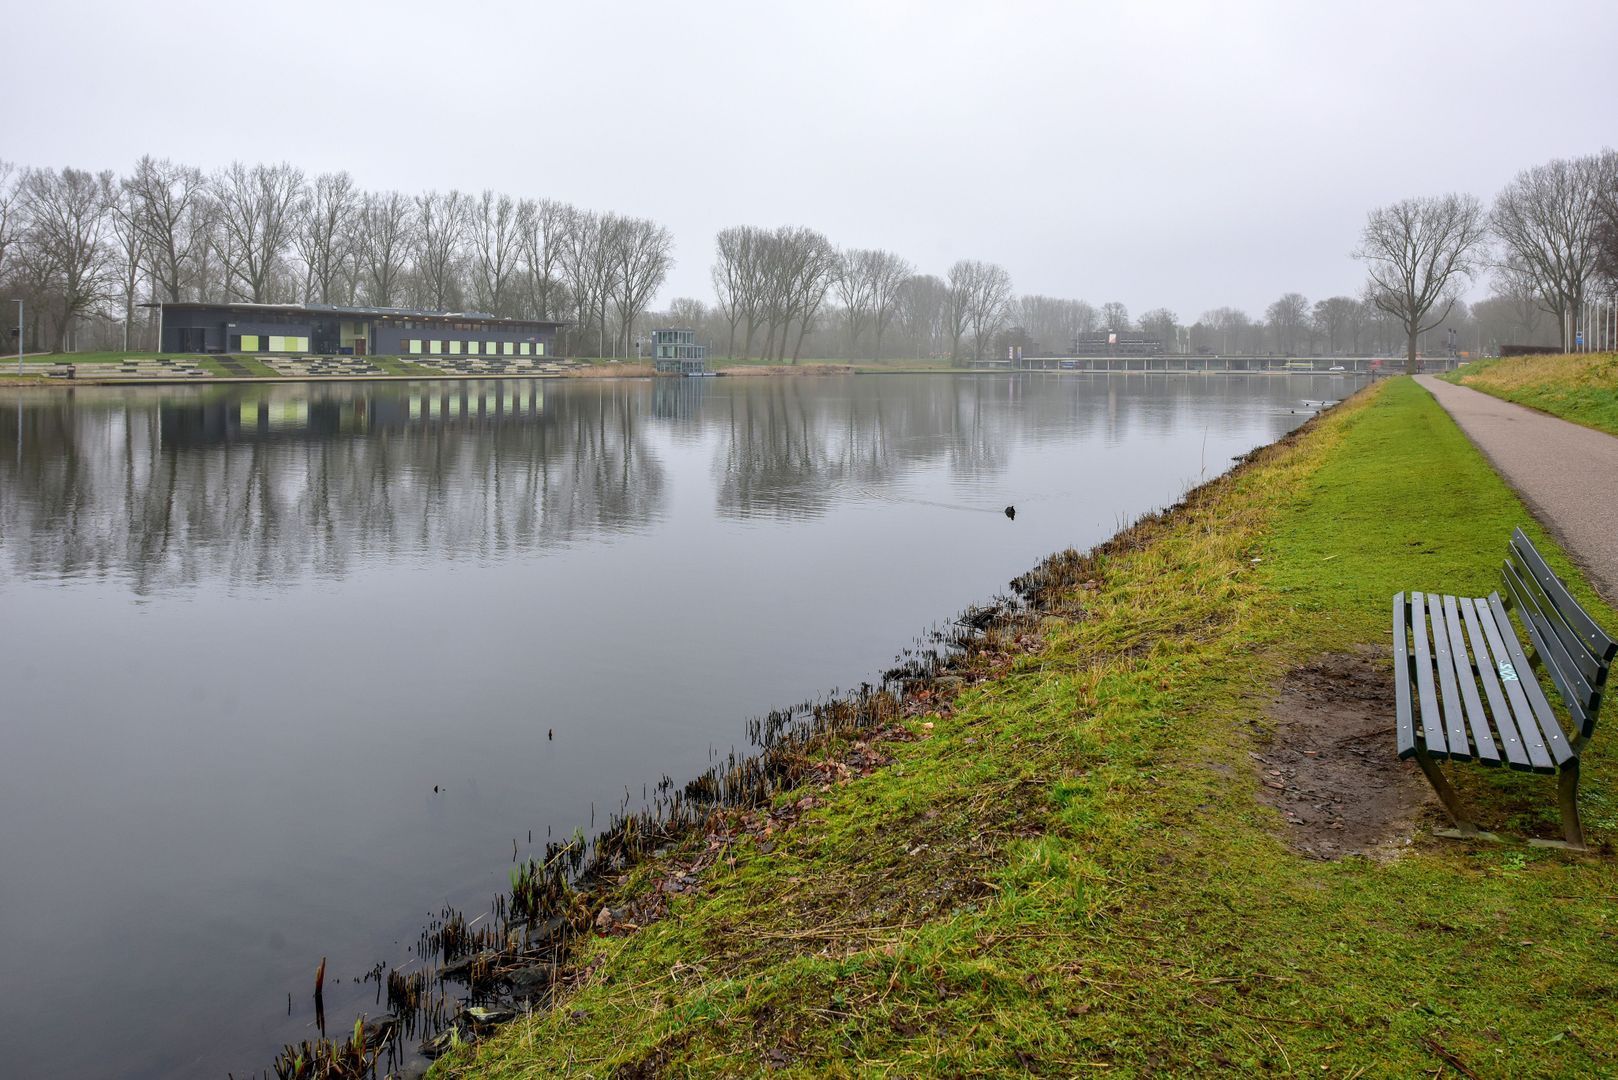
(1071, 867)
(1581, 387)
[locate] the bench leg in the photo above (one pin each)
(1465, 828)
(1567, 797)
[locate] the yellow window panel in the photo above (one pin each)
(455, 348)
(539, 348)
(509, 348)
(415, 345)
(524, 349)
(249, 343)
(472, 348)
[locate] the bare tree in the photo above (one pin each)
(888, 273)
(921, 304)
(1333, 318)
(587, 266)
(642, 253)
(173, 214)
(9, 219)
(957, 309)
(854, 282)
(325, 237)
(439, 231)
(740, 279)
(1418, 252)
(256, 221)
(801, 267)
(124, 210)
(1547, 218)
(1115, 316)
(1164, 325)
(541, 225)
(991, 293)
(66, 217)
(384, 244)
(496, 240)
(1287, 317)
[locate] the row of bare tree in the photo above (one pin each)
(78, 244)
(1551, 237)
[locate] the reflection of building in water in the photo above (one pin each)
(268, 413)
(172, 487)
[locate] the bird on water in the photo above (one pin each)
(1011, 512)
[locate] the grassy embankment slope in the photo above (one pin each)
(1581, 387)
(1072, 868)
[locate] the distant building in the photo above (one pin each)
(325, 330)
(676, 352)
(1106, 343)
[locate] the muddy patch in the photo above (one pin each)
(1330, 768)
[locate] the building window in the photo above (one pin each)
(455, 348)
(436, 348)
(472, 348)
(489, 347)
(524, 350)
(414, 345)
(249, 343)
(539, 348)
(510, 348)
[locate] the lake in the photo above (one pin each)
(287, 669)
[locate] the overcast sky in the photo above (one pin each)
(1188, 155)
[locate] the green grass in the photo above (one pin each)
(1581, 387)
(1070, 871)
(250, 367)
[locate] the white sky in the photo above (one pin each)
(1183, 154)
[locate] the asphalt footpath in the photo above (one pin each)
(1567, 474)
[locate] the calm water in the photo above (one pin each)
(244, 632)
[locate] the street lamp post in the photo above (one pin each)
(19, 335)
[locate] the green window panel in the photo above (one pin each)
(455, 348)
(524, 349)
(415, 346)
(539, 348)
(249, 343)
(472, 348)
(436, 348)
(489, 347)
(510, 348)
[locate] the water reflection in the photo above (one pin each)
(282, 482)
(168, 487)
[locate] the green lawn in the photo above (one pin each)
(1582, 387)
(1070, 871)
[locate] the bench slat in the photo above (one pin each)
(1482, 739)
(1567, 639)
(1404, 726)
(1555, 742)
(1576, 693)
(1516, 753)
(1511, 679)
(1454, 721)
(1594, 638)
(1431, 725)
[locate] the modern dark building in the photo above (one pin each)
(323, 330)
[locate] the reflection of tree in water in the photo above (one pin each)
(280, 483)
(793, 447)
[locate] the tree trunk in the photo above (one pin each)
(1410, 355)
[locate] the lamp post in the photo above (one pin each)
(19, 335)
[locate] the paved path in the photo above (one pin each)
(1567, 474)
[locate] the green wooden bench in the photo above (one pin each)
(1467, 689)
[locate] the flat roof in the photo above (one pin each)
(333, 311)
